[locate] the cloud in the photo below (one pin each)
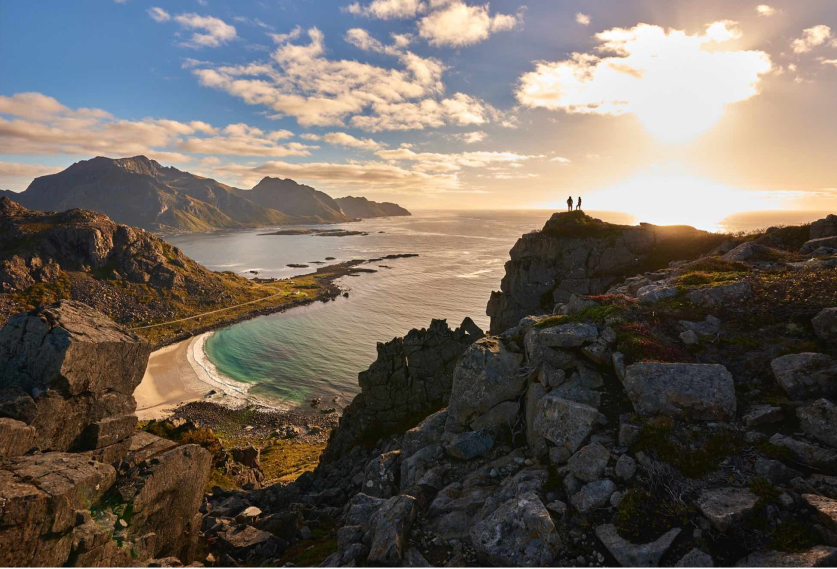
(582, 19)
(214, 33)
(470, 137)
(832, 62)
(347, 140)
(158, 14)
(641, 71)
(765, 11)
(282, 38)
(561, 160)
(811, 38)
(300, 81)
(17, 170)
(457, 24)
(388, 9)
(40, 125)
(439, 162)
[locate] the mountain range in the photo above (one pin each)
(139, 191)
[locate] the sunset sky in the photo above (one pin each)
(683, 109)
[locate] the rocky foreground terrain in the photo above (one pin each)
(680, 413)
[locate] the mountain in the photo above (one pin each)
(362, 207)
(295, 199)
(139, 191)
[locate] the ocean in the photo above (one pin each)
(288, 358)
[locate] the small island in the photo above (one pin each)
(317, 232)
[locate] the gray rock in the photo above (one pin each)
(806, 375)
(248, 516)
(500, 418)
(689, 338)
(412, 558)
(518, 533)
(533, 395)
(819, 420)
(825, 325)
(417, 465)
(654, 293)
(826, 227)
(691, 391)
(625, 467)
(632, 555)
(763, 415)
(470, 444)
(806, 453)
(16, 438)
(709, 326)
(593, 495)
(695, 558)
(724, 507)
(589, 462)
(825, 508)
(558, 455)
(819, 556)
(241, 539)
(106, 432)
(572, 335)
(775, 471)
(619, 367)
(551, 377)
(361, 508)
(81, 367)
(557, 507)
(629, 432)
(718, 296)
(749, 251)
(616, 498)
(428, 432)
(380, 475)
(814, 244)
(16, 404)
(576, 304)
(487, 374)
(566, 423)
(575, 390)
(597, 352)
(391, 526)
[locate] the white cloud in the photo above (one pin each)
(457, 24)
(832, 62)
(158, 14)
(470, 137)
(641, 71)
(561, 160)
(388, 9)
(347, 140)
(28, 171)
(765, 11)
(302, 82)
(215, 32)
(582, 19)
(811, 38)
(282, 38)
(439, 162)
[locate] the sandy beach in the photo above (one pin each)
(169, 380)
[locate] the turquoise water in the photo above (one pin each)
(318, 350)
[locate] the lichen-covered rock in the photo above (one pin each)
(654, 293)
(724, 507)
(814, 244)
(391, 526)
(819, 420)
(806, 375)
(428, 432)
(78, 366)
(763, 414)
(806, 453)
(487, 374)
(165, 493)
(632, 555)
(571, 335)
(723, 295)
(692, 391)
(695, 558)
(589, 462)
(825, 325)
(519, 533)
(593, 495)
(566, 423)
(381, 475)
(625, 467)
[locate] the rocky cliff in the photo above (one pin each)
(363, 208)
(78, 484)
(576, 254)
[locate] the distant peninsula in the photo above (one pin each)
(317, 232)
(364, 208)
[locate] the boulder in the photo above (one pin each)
(826, 511)
(164, 493)
(763, 415)
(775, 471)
(16, 438)
(806, 453)
(78, 366)
(625, 467)
(533, 396)
(390, 528)
(144, 445)
(361, 508)
(703, 392)
(487, 374)
(470, 444)
(106, 432)
(695, 558)
(826, 227)
(806, 375)
(819, 556)
(576, 304)
(589, 462)
(723, 295)
(725, 507)
(500, 419)
(572, 335)
(241, 539)
(654, 293)
(566, 423)
(593, 495)
(750, 251)
(814, 244)
(825, 325)
(428, 432)
(819, 420)
(519, 533)
(15, 403)
(632, 555)
(381, 475)
(415, 466)
(707, 327)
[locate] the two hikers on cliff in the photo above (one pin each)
(570, 204)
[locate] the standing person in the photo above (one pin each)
(578, 207)
(570, 204)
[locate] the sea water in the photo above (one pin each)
(317, 350)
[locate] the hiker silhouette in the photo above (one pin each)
(570, 204)
(578, 206)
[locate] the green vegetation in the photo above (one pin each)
(285, 461)
(698, 278)
(309, 553)
(657, 436)
(777, 452)
(716, 265)
(643, 516)
(767, 493)
(640, 344)
(45, 293)
(794, 536)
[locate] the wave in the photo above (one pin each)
(474, 275)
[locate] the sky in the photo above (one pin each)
(681, 110)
